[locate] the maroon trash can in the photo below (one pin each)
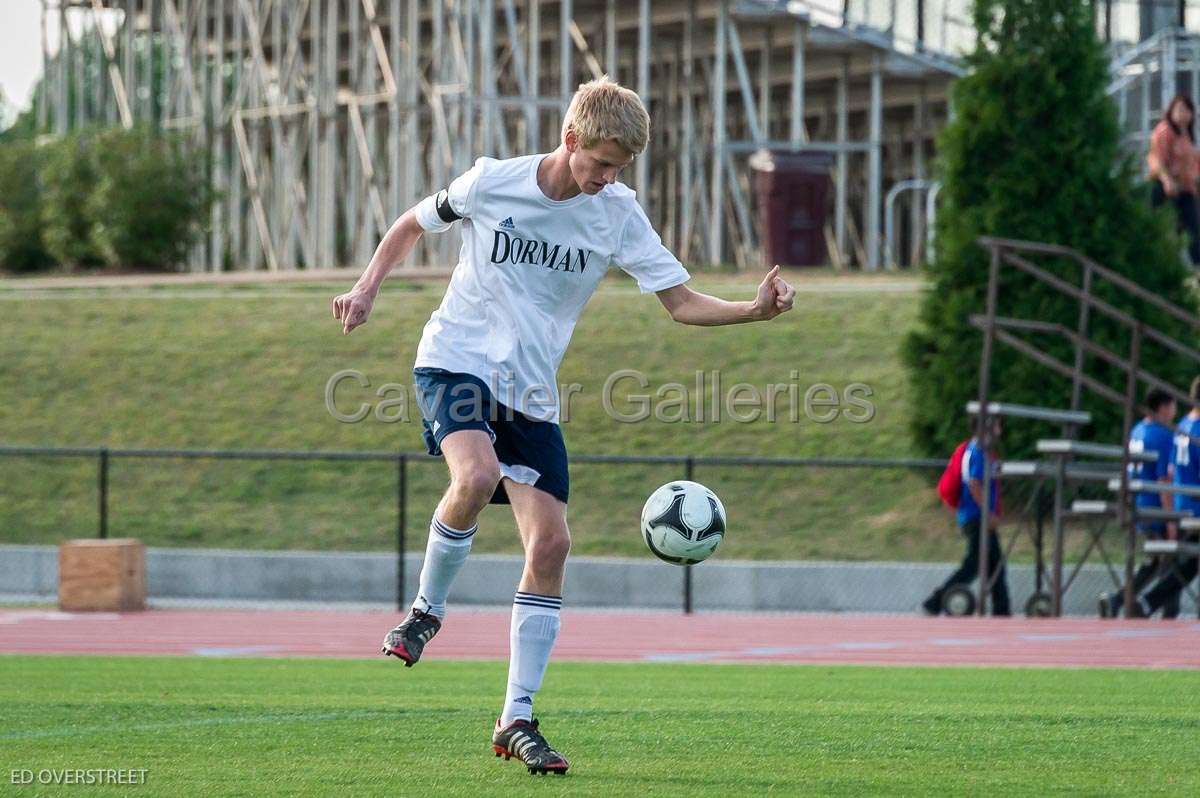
(792, 193)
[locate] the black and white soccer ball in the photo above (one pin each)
(683, 522)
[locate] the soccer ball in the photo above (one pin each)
(683, 522)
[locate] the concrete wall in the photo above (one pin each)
(239, 576)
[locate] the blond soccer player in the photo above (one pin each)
(539, 233)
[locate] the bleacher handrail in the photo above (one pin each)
(1119, 280)
(1016, 253)
(1030, 411)
(1070, 447)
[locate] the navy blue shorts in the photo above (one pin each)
(529, 451)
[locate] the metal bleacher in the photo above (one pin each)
(1058, 468)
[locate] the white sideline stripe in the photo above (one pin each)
(83, 731)
(235, 651)
(56, 615)
(945, 642)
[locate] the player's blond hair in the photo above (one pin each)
(603, 109)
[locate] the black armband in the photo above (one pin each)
(444, 211)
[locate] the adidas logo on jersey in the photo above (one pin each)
(507, 224)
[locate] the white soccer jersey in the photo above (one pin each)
(527, 267)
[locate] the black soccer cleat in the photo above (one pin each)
(522, 739)
(407, 641)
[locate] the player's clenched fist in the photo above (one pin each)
(775, 296)
(352, 309)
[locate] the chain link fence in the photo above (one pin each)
(806, 534)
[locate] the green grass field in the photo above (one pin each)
(320, 727)
(247, 366)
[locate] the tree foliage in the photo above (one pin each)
(21, 246)
(1033, 152)
(101, 197)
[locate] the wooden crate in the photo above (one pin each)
(102, 575)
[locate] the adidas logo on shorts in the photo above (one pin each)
(507, 224)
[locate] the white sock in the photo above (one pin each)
(445, 554)
(531, 637)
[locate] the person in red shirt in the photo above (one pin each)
(1174, 166)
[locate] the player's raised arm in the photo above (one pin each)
(686, 306)
(641, 253)
(353, 307)
(434, 214)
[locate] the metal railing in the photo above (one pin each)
(1014, 253)
(687, 463)
(931, 189)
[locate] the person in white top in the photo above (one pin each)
(539, 233)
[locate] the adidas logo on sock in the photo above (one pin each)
(523, 700)
(507, 224)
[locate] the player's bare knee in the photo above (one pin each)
(547, 553)
(476, 483)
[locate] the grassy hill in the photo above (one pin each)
(247, 366)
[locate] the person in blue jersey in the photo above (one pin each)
(969, 515)
(1164, 594)
(1154, 433)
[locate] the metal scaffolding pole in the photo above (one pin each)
(840, 190)
(875, 167)
(565, 45)
(917, 220)
(327, 75)
(75, 47)
(764, 82)
(610, 38)
(487, 52)
(350, 170)
(235, 213)
(43, 111)
(411, 192)
(62, 121)
(797, 134)
(535, 71)
(686, 157)
(313, 257)
(643, 90)
(219, 168)
(127, 55)
(717, 185)
(395, 188)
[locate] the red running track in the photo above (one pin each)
(630, 636)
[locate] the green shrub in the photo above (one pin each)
(69, 178)
(132, 199)
(150, 199)
(21, 247)
(1033, 153)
